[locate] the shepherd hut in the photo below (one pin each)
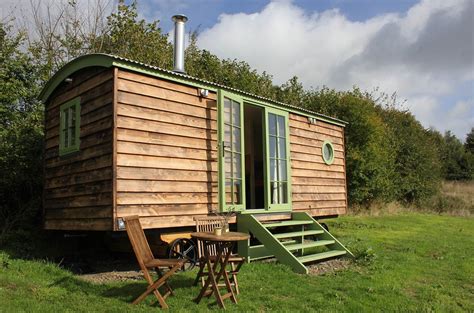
(125, 138)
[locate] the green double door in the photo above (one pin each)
(235, 164)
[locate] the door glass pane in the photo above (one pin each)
(236, 196)
(282, 170)
(281, 126)
(283, 192)
(273, 153)
(228, 190)
(273, 170)
(236, 139)
(273, 192)
(236, 165)
(228, 165)
(227, 104)
(281, 148)
(235, 113)
(272, 124)
(227, 136)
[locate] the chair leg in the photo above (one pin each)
(167, 285)
(200, 275)
(157, 284)
(234, 278)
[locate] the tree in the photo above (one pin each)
(469, 144)
(21, 133)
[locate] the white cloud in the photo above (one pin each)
(423, 54)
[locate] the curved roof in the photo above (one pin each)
(107, 60)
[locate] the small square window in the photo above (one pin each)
(69, 126)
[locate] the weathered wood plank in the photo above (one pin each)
(79, 201)
(82, 88)
(314, 135)
(78, 213)
(165, 163)
(164, 209)
(312, 150)
(164, 186)
(316, 166)
(79, 224)
(318, 196)
(161, 93)
(140, 78)
(80, 167)
(165, 151)
(97, 175)
(83, 155)
(314, 158)
(165, 198)
(316, 173)
(307, 205)
(304, 119)
(103, 100)
(317, 143)
(317, 128)
(165, 174)
(165, 128)
(209, 112)
(318, 181)
(318, 189)
(89, 188)
(147, 114)
(86, 142)
(165, 139)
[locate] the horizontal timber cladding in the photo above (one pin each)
(78, 186)
(317, 188)
(166, 143)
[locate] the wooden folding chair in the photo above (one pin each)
(147, 261)
(207, 224)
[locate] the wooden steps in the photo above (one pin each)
(321, 256)
(298, 234)
(293, 245)
(311, 244)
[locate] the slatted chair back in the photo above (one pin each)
(138, 240)
(208, 224)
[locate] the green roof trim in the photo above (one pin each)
(106, 60)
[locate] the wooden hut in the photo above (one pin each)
(125, 138)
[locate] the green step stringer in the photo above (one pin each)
(272, 246)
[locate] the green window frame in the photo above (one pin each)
(231, 152)
(327, 151)
(278, 167)
(69, 126)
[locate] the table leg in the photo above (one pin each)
(211, 280)
(227, 249)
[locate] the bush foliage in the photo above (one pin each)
(389, 155)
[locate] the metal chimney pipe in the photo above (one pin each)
(178, 60)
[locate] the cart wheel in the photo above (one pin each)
(183, 248)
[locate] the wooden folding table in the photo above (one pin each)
(217, 270)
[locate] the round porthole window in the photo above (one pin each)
(328, 152)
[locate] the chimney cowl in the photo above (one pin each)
(178, 47)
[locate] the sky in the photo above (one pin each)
(422, 50)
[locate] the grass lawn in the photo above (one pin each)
(406, 262)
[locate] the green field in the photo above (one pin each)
(405, 262)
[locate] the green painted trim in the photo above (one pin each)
(284, 207)
(105, 60)
(251, 224)
(303, 216)
(331, 160)
(223, 207)
(63, 150)
(75, 65)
